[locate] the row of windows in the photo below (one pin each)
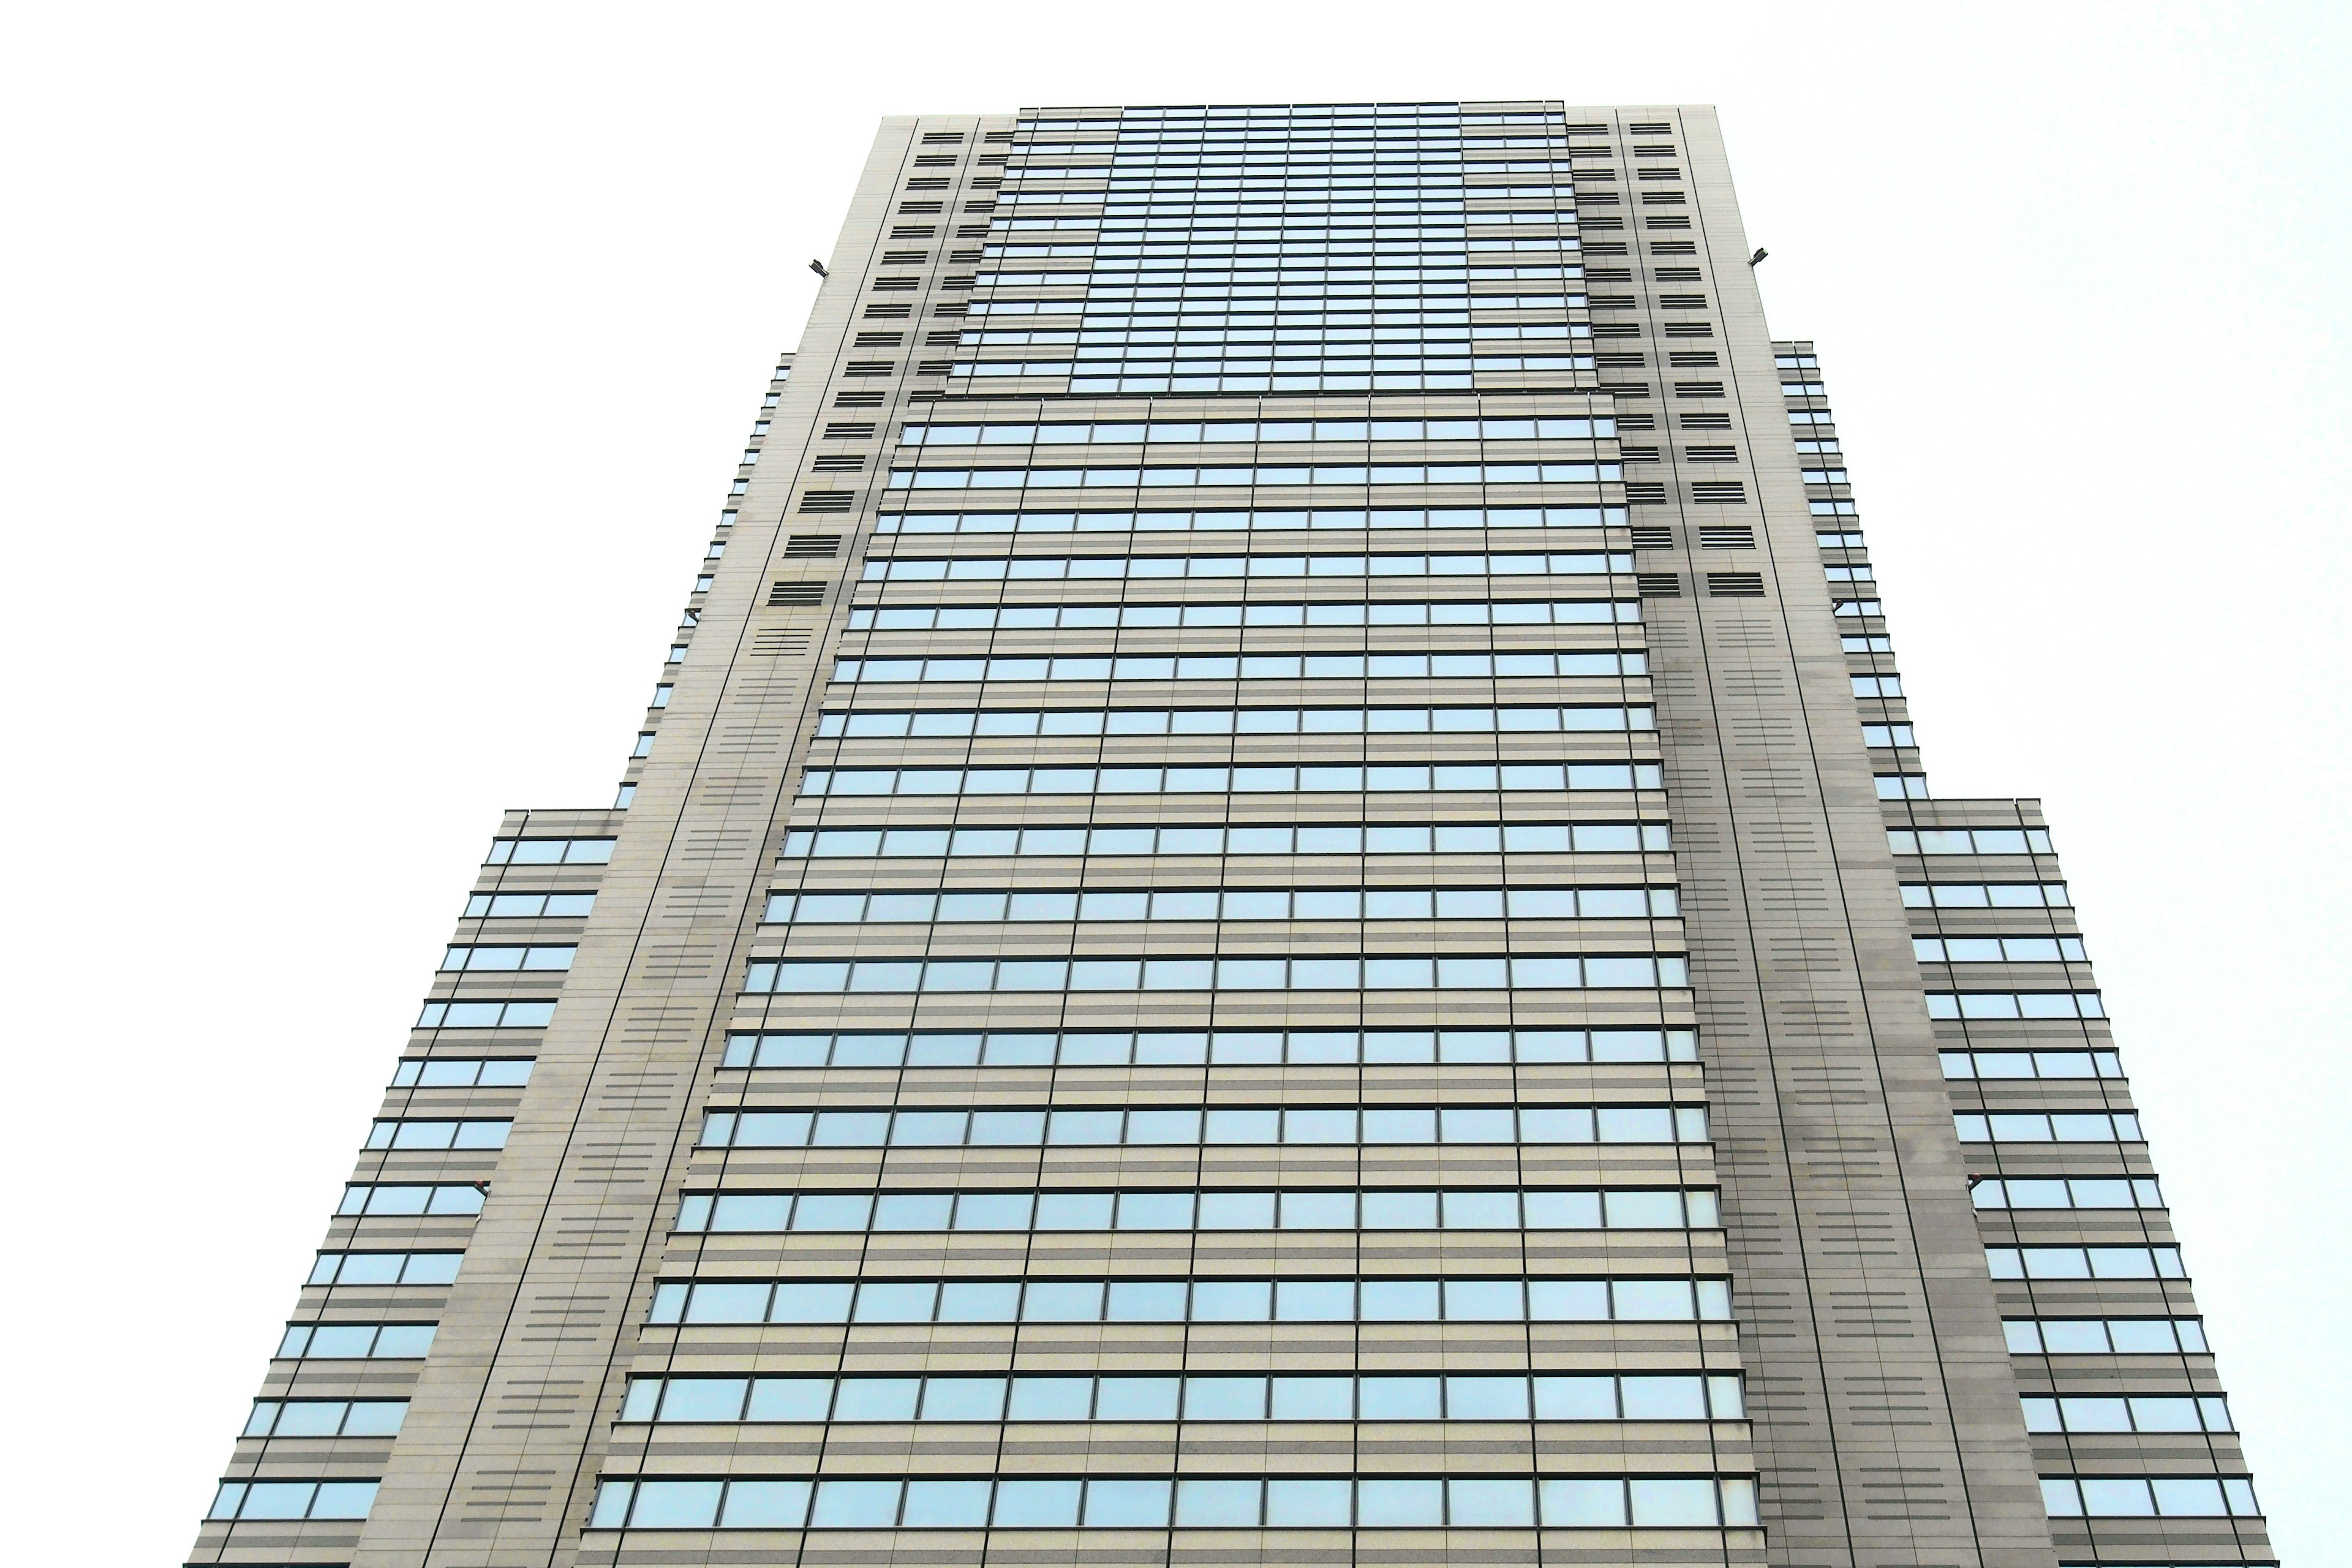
(2015, 1004)
(1877, 685)
(376, 1200)
(2154, 1497)
(1474, 1397)
(2105, 1336)
(462, 1072)
(292, 1499)
(1985, 896)
(2037, 1127)
(1998, 949)
(549, 852)
(878, 976)
(385, 1269)
(1315, 1300)
(1038, 617)
(1304, 839)
(325, 1418)
(1316, 1209)
(2031, 1064)
(1222, 1047)
(2076, 1193)
(2139, 1413)
(1970, 841)
(479, 958)
(1258, 477)
(1161, 431)
(2086, 1262)
(356, 1341)
(957, 723)
(1341, 779)
(1258, 666)
(1055, 568)
(476, 1133)
(1373, 1502)
(1233, 904)
(1223, 1125)
(486, 1015)
(1217, 274)
(527, 906)
(1231, 519)
(1241, 375)
(1190, 311)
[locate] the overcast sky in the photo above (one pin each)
(371, 376)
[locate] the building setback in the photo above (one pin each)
(1277, 905)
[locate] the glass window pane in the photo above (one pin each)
(850, 1505)
(1394, 1502)
(1037, 1505)
(947, 1505)
(1217, 1503)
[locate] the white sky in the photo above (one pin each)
(371, 376)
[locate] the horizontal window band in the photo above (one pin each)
(292, 1500)
(1261, 476)
(1361, 613)
(1577, 427)
(2047, 1127)
(2086, 1263)
(1970, 841)
(2149, 1497)
(1343, 779)
(1357, 520)
(2031, 1064)
(325, 1418)
(1965, 1004)
(1670, 1397)
(1094, 568)
(1643, 971)
(1222, 1047)
(486, 1015)
(1594, 719)
(1262, 666)
(693, 1303)
(2105, 1336)
(355, 1342)
(1228, 904)
(1207, 1210)
(2067, 1193)
(1333, 1502)
(1304, 839)
(1227, 1126)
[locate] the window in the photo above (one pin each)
(325, 1418)
(1352, 519)
(1378, 1502)
(2086, 1262)
(756, 1213)
(471, 1134)
(1985, 895)
(356, 1341)
(377, 1199)
(1343, 779)
(1318, 1299)
(1378, 613)
(293, 1500)
(1998, 949)
(2105, 1336)
(2015, 1004)
(550, 852)
(1682, 1397)
(385, 1269)
(1014, 722)
(2031, 1064)
(1302, 838)
(1877, 685)
(529, 906)
(2047, 1127)
(1371, 972)
(2074, 1193)
(1025, 568)
(1220, 1125)
(1259, 477)
(2149, 1497)
(1244, 667)
(1230, 904)
(486, 1015)
(1970, 841)
(943, 1048)
(1251, 432)
(1888, 735)
(480, 960)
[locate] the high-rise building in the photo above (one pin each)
(1277, 905)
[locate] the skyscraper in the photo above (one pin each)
(1277, 905)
